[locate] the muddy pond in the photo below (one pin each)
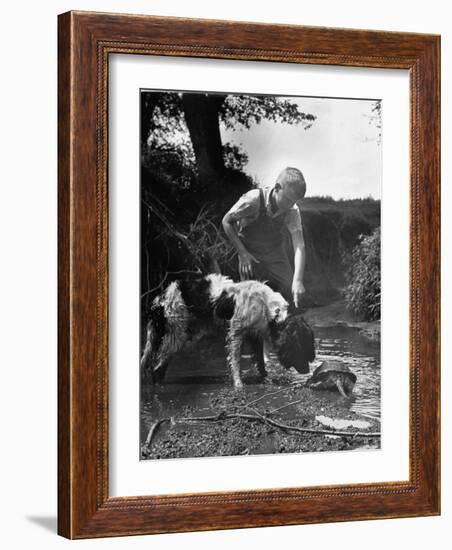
(195, 411)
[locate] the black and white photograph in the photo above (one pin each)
(223, 243)
(259, 274)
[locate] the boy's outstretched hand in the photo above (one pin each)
(246, 265)
(298, 290)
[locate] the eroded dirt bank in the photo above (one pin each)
(246, 435)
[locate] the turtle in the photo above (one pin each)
(333, 376)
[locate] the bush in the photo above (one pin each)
(363, 291)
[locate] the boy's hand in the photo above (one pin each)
(245, 265)
(298, 290)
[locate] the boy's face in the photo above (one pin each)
(285, 198)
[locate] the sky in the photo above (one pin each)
(340, 155)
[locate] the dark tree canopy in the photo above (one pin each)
(188, 125)
(190, 177)
(245, 110)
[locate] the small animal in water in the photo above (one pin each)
(333, 377)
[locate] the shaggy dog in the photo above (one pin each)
(250, 310)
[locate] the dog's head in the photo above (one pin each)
(293, 341)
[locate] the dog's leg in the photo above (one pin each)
(158, 345)
(234, 348)
(145, 359)
(257, 346)
(168, 347)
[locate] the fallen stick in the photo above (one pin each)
(286, 405)
(256, 416)
(152, 431)
(286, 427)
(246, 405)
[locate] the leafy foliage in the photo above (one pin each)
(168, 150)
(166, 144)
(181, 209)
(245, 110)
(234, 156)
(363, 293)
(375, 118)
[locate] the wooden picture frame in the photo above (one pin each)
(85, 42)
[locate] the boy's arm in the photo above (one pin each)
(229, 226)
(299, 265)
(242, 209)
(245, 258)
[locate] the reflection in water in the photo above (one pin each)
(198, 374)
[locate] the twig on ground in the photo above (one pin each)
(246, 405)
(262, 418)
(286, 405)
(255, 416)
(152, 431)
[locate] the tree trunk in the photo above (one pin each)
(201, 115)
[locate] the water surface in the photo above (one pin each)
(198, 374)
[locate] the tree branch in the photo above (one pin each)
(253, 417)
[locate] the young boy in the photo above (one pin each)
(258, 226)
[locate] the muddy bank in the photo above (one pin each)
(290, 405)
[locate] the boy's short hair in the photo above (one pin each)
(293, 178)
